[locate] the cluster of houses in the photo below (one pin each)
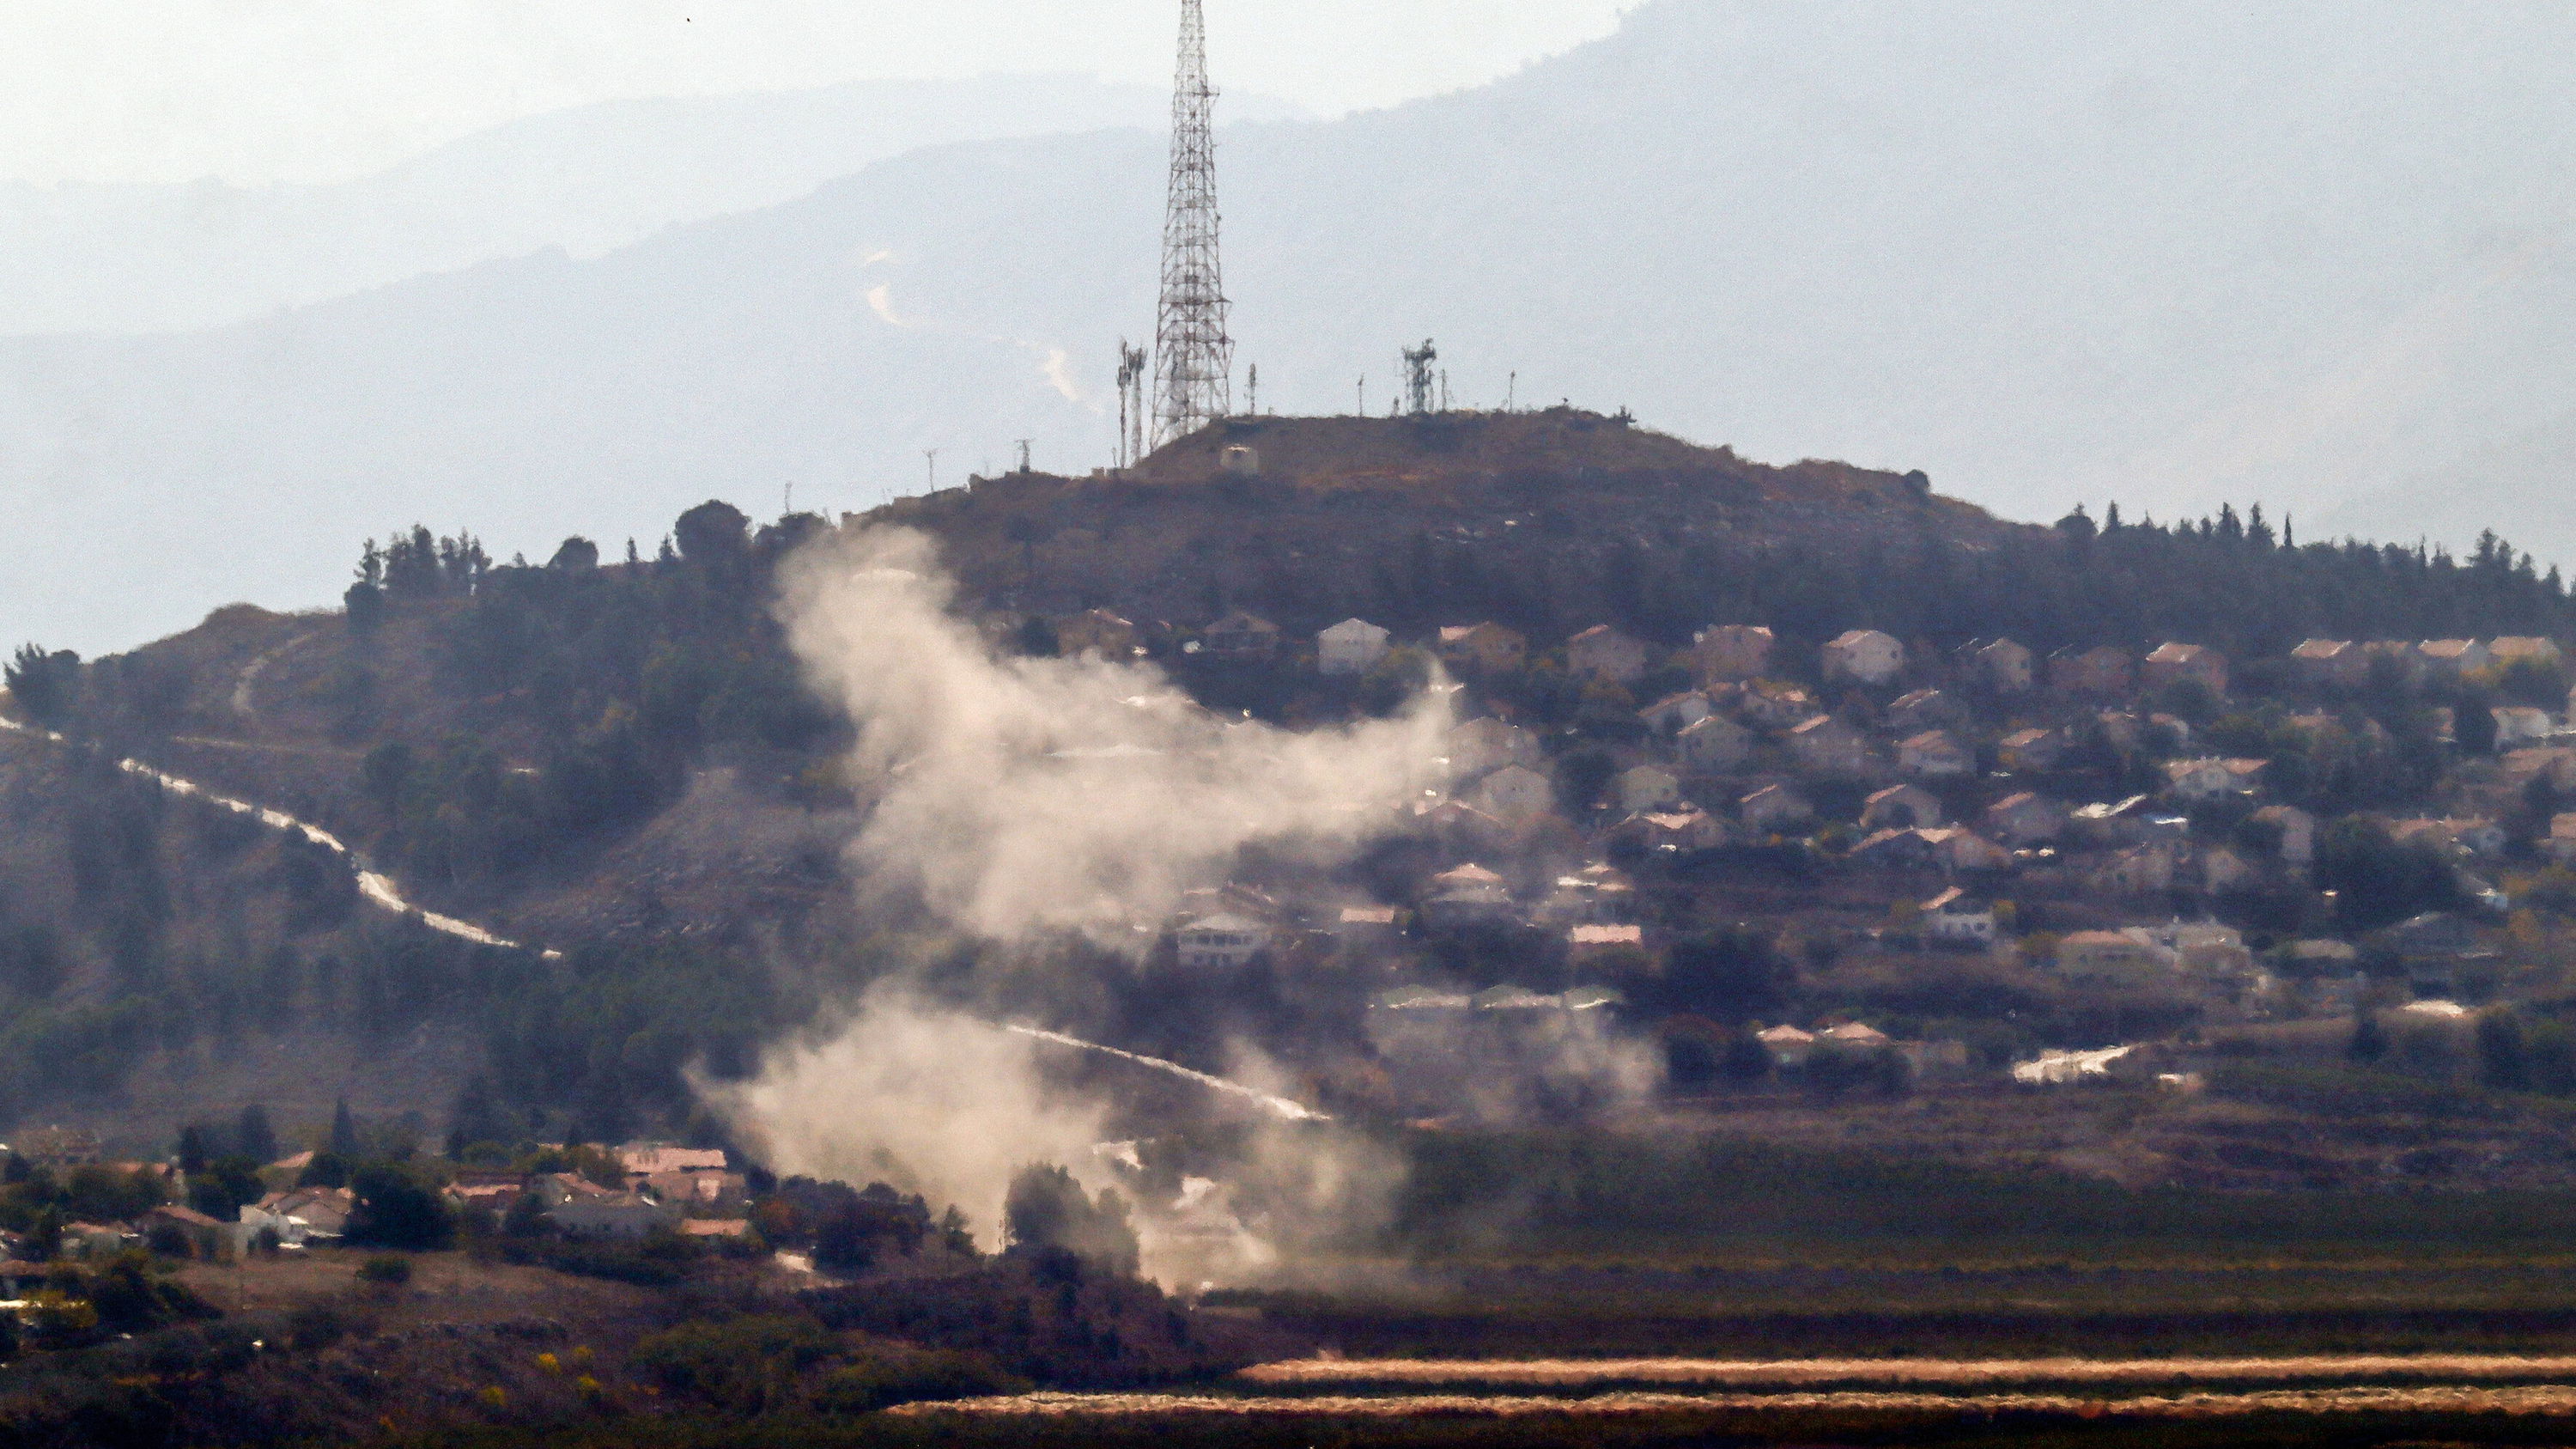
(1962, 783)
(689, 1191)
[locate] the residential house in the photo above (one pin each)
(2520, 724)
(2210, 779)
(1647, 787)
(1223, 942)
(2099, 670)
(1675, 713)
(1353, 646)
(2109, 957)
(1465, 896)
(1825, 745)
(1674, 830)
(2110, 822)
(2506, 652)
(1487, 743)
(611, 1215)
(1725, 652)
(2331, 663)
(1957, 849)
(204, 1236)
(1957, 918)
(2222, 869)
(1715, 745)
(2030, 751)
(1895, 850)
(2204, 948)
(492, 1194)
(647, 1159)
(1603, 653)
(2560, 847)
(1901, 807)
(1855, 1034)
(1775, 809)
(699, 1192)
(1935, 755)
(1925, 709)
(1597, 892)
(1461, 827)
(2139, 870)
(1240, 636)
(1775, 706)
(1514, 795)
(1097, 632)
(2025, 818)
(1585, 945)
(1788, 1045)
(2173, 663)
(300, 1215)
(2298, 832)
(1486, 648)
(2004, 665)
(2448, 659)
(1863, 656)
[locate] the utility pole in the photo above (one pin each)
(1193, 356)
(1359, 408)
(932, 454)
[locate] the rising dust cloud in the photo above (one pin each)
(1025, 803)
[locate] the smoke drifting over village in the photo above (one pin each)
(1027, 803)
(1024, 798)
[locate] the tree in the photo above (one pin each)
(254, 1138)
(2504, 1058)
(2369, 1044)
(344, 1130)
(44, 684)
(1046, 1209)
(713, 532)
(575, 555)
(395, 1209)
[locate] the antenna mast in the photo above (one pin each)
(1417, 376)
(1131, 404)
(1193, 356)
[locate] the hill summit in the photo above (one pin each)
(1317, 517)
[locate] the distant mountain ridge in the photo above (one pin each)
(2289, 255)
(588, 180)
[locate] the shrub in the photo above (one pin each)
(390, 1269)
(899, 1374)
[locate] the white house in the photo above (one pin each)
(1489, 744)
(1221, 942)
(1675, 713)
(1934, 755)
(1715, 743)
(1775, 807)
(1514, 795)
(1865, 656)
(1957, 918)
(1349, 647)
(2519, 724)
(1604, 653)
(1647, 788)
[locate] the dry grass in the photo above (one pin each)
(1581, 1374)
(1179, 1410)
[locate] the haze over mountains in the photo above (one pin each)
(2316, 256)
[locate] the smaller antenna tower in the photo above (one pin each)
(1024, 455)
(1131, 404)
(1417, 376)
(932, 457)
(1252, 390)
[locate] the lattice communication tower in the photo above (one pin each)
(1193, 356)
(1131, 404)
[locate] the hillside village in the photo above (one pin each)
(2159, 843)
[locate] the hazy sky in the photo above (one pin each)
(261, 90)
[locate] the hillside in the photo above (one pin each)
(619, 760)
(2043, 253)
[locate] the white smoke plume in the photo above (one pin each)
(1024, 797)
(1026, 801)
(927, 1100)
